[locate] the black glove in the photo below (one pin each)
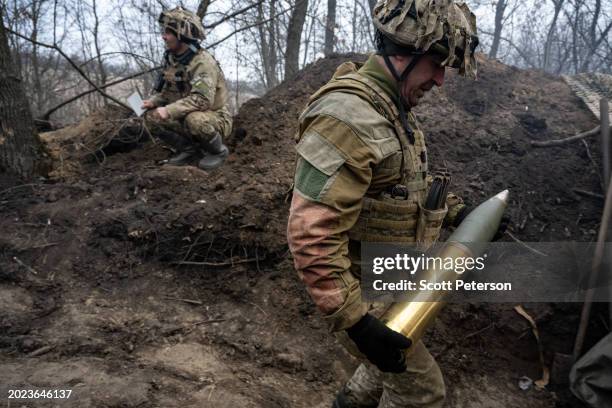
(463, 212)
(381, 345)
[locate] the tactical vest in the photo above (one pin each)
(176, 79)
(396, 214)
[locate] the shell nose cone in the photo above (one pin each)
(503, 196)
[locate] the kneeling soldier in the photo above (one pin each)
(190, 106)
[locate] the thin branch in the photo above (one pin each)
(234, 14)
(256, 24)
(74, 98)
(71, 62)
(513, 45)
(105, 54)
(559, 142)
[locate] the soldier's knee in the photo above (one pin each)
(200, 127)
(151, 118)
(422, 385)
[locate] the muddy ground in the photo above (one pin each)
(140, 285)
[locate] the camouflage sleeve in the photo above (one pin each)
(203, 81)
(158, 99)
(333, 173)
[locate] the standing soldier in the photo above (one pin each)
(361, 176)
(190, 106)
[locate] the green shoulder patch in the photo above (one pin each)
(201, 86)
(318, 162)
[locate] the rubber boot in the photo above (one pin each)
(216, 152)
(341, 402)
(344, 401)
(184, 156)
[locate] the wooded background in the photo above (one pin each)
(62, 48)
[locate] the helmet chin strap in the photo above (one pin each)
(400, 78)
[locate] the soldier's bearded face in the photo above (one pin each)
(423, 77)
(172, 43)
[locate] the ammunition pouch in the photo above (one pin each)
(386, 219)
(428, 226)
(159, 82)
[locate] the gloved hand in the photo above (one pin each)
(463, 212)
(381, 345)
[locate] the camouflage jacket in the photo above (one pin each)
(196, 86)
(348, 154)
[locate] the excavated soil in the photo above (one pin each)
(140, 285)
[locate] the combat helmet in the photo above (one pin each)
(185, 24)
(414, 27)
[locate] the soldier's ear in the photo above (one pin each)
(401, 59)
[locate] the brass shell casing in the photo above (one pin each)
(413, 318)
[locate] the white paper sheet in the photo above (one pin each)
(135, 102)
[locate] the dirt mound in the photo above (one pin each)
(178, 281)
(481, 132)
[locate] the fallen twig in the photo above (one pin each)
(588, 193)
(193, 302)
(41, 351)
(543, 382)
(259, 307)
(523, 224)
(559, 142)
(227, 263)
(207, 322)
(50, 244)
(476, 333)
(535, 251)
(179, 328)
(29, 268)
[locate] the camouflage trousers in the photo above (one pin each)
(196, 128)
(420, 386)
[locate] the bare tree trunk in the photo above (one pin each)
(273, 78)
(203, 8)
(267, 44)
(21, 151)
(577, 5)
(263, 44)
(96, 34)
(36, 74)
(551, 31)
(330, 25)
(354, 27)
(310, 27)
(594, 39)
(500, 8)
(371, 4)
(294, 36)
